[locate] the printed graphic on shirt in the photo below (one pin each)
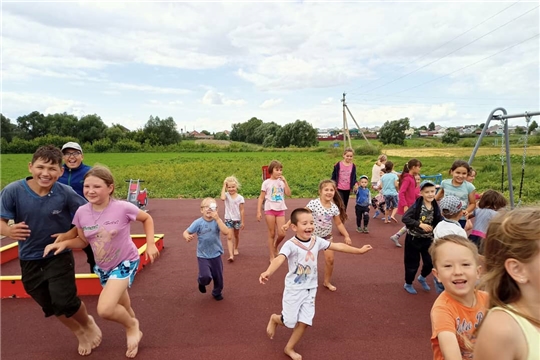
(466, 329)
(277, 193)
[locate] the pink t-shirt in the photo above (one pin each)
(344, 178)
(108, 232)
(274, 194)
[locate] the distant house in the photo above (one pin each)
(197, 135)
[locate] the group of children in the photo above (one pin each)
(509, 243)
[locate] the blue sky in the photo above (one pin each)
(212, 64)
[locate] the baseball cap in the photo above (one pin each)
(72, 145)
(363, 177)
(425, 183)
(451, 204)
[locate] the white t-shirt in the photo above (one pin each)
(232, 207)
(448, 227)
(323, 217)
(302, 261)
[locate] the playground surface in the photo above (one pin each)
(370, 316)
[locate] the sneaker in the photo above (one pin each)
(395, 239)
(359, 229)
(202, 288)
(218, 297)
(409, 288)
(439, 287)
(422, 281)
(377, 213)
(366, 231)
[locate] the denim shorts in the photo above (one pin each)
(391, 201)
(233, 224)
(125, 270)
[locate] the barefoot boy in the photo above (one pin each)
(41, 209)
(301, 281)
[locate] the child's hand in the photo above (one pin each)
(348, 240)
(241, 226)
(263, 278)
(19, 231)
(285, 227)
(151, 253)
(282, 178)
(259, 216)
(189, 237)
(215, 215)
(58, 247)
(426, 227)
(364, 249)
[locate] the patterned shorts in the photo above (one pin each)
(126, 269)
(233, 224)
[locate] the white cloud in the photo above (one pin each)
(212, 97)
(327, 101)
(16, 104)
(270, 103)
(150, 89)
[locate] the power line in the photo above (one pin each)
(449, 41)
(464, 67)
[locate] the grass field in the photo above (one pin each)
(197, 175)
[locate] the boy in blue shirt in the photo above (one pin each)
(42, 209)
(209, 247)
(363, 201)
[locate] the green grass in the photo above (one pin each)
(197, 175)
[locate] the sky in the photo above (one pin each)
(212, 64)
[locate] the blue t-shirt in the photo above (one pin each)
(208, 240)
(44, 215)
(388, 182)
(461, 192)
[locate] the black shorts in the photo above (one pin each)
(51, 283)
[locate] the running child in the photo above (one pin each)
(420, 220)
(234, 213)
(209, 247)
(378, 201)
(41, 209)
(326, 208)
(104, 224)
(273, 192)
(363, 200)
(511, 330)
(491, 202)
(300, 252)
(344, 174)
(459, 310)
(459, 187)
(390, 185)
(376, 170)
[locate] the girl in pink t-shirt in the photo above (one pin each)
(104, 223)
(344, 175)
(273, 191)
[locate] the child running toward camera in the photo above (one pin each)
(511, 330)
(490, 202)
(344, 175)
(363, 200)
(273, 191)
(390, 185)
(420, 220)
(234, 213)
(104, 224)
(300, 252)
(209, 247)
(459, 310)
(459, 187)
(328, 208)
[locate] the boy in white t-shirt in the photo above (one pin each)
(301, 280)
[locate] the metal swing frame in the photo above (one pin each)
(504, 117)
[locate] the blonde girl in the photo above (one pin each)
(273, 192)
(344, 175)
(459, 310)
(328, 208)
(234, 213)
(511, 330)
(460, 188)
(104, 223)
(376, 170)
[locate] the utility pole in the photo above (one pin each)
(346, 134)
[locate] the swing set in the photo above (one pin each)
(505, 148)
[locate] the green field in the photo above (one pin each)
(197, 175)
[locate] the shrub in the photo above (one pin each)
(367, 150)
(126, 145)
(102, 145)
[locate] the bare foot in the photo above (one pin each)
(93, 333)
(386, 222)
(236, 252)
(330, 287)
(393, 218)
(292, 354)
(231, 259)
(85, 346)
(134, 336)
(271, 327)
